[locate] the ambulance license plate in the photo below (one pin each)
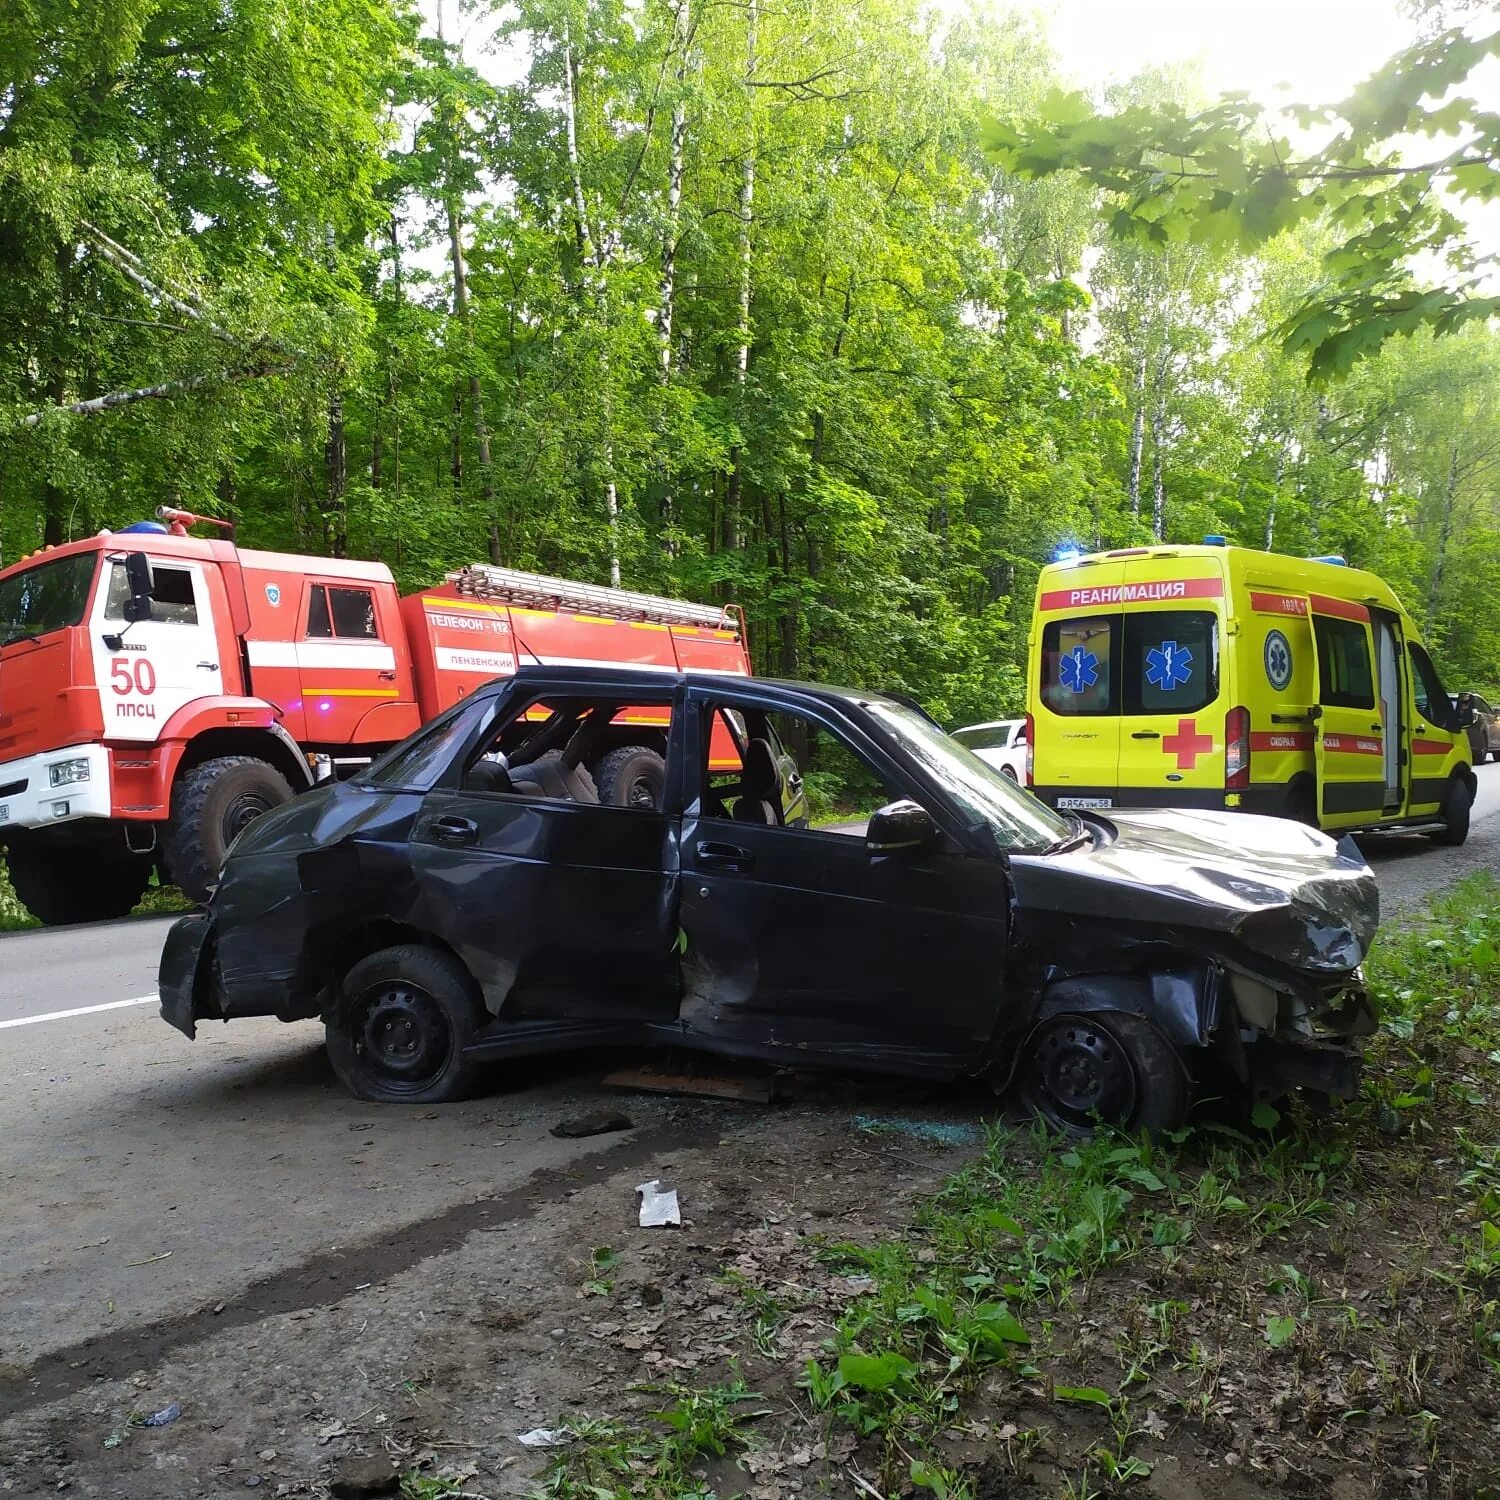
(1085, 801)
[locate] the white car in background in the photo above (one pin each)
(1001, 744)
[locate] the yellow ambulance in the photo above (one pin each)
(1214, 676)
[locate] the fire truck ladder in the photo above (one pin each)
(536, 590)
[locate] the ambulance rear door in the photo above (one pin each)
(1350, 737)
(1077, 692)
(1173, 697)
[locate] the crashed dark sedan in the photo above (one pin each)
(468, 898)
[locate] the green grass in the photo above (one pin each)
(15, 918)
(1027, 1272)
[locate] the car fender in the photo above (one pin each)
(1181, 1002)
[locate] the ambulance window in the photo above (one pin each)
(1171, 661)
(1345, 678)
(348, 614)
(172, 600)
(1427, 689)
(1078, 665)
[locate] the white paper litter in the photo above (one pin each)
(657, 1207)
(545, 1437)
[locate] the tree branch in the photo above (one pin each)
(166, 389)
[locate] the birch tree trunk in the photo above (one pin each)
(463, 313)
(681, 36)
(1138, 435)
(593, 261)
(734, 493)
(1158, 434)
(1445, 532)
(1275, 491)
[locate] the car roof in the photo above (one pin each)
(627, 679)
(991, 724)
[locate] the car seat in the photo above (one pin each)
(759, 800)
(488, 776)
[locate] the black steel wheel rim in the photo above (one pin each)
(643, 791)
(242, 811)
(401, 1036)
(1081, 1075)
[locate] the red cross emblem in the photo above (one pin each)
(1187, 744)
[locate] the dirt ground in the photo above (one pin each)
(439, 1344)
(433, 1348)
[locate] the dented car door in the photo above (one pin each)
(800, 938)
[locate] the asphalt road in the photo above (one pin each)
(145, 1178)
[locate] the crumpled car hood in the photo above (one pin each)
(1279, 888)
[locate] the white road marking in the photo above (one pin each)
(83, 1010)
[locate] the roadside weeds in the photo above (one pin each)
(1313, 1300)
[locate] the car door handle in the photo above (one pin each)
(388, 676)
(453, 830)
(716, 856)
(1145, 734)
(208, 666)
(1377, 727)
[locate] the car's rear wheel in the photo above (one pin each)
(398, 1032)
(1105, 1068)
(1458, 803)
(631, 776)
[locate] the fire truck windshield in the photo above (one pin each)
(50, 596)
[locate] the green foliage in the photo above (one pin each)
(620, 1461)
(947, 370)
(1230, 176)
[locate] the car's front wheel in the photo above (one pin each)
(1105, 1068)
(398, 1031)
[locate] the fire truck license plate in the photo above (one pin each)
(1085, 802)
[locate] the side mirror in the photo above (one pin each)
(900, 828)
(142, 582)
(1467, 714)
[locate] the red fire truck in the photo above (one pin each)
(159, 690)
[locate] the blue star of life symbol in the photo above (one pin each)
(1079, 669)
(1168, 665)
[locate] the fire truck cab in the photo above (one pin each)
(158, 691)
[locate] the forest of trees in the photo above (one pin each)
(726, 300)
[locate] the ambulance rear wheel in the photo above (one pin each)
(76, 884)
(632, 776)
(1458, 802)
(211, 805)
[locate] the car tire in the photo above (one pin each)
(1105, 1067)
(1458, 803)
(211, 805)
(631, 776)
(1010, 775)
(78, 884)
(398, 1030)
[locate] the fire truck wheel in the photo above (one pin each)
(58, 886)
(632, 776)
(211, 804)
(398, 1032)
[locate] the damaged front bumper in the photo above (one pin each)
(1297, 1036)
(185, 974)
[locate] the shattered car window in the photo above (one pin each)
(1015, 817)
(417, 763)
